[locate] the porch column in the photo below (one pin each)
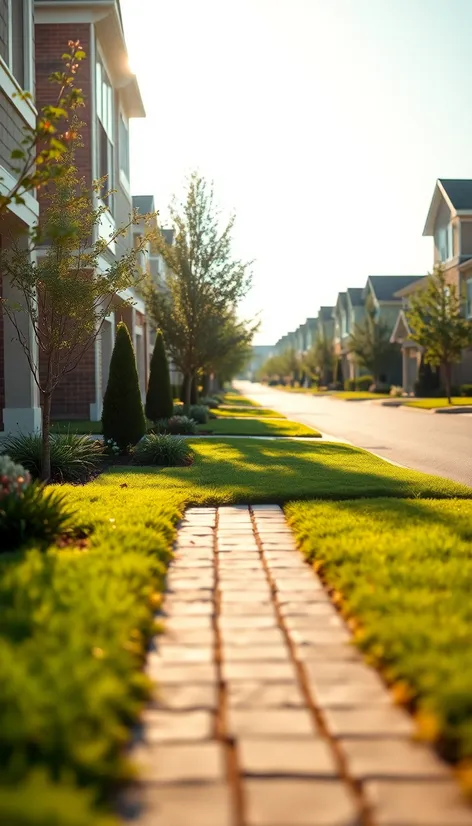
(22, 412)
(405, 370)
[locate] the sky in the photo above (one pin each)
(323, 124)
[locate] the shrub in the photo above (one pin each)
(428, 381)
(199, 413)
(350, 384)
(123, 415)
(466, 390)
(210, 401)
(74, 458)
(396, 392)
(176, 425)
(379, 387)
(193, 391)
(164, 450)
(178, 410)
(363, 383)
(159, 398)
(26, 510)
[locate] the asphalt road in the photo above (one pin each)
(431, 442)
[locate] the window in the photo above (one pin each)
(124, 147)
(445, 242)
(469, 298)
(18, 57)
(105, 149)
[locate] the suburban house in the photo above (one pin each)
(112, 99)
(449, 223)
(326, 323)
(341, 336)
(19, 398)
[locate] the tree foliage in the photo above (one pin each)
(370, 343)
(123, 415)
(159, 398)
(203, 282)
(437, 324)
(62, 290)
(38, 157)
(319, 361)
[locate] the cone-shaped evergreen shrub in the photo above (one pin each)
(159, 398)
(193, 391)
(123, 415)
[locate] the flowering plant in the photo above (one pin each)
(14, 479)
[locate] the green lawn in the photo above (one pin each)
(252, 470)
(245, 426)
(403, 571)
(431, 404)
(75, 621)
(243, 410)
(358, 395)
(82, 426)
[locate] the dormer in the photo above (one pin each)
(449, 221)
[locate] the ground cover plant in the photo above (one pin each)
(163, 449)
(81, 426)
(257, 427)
(401, 571)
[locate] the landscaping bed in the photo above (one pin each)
(401, 572)
(432, 404)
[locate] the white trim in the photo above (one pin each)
(76, 11)
(27, 212)
(125, 184)
(446, 198)
(28, 59)
(10, 86)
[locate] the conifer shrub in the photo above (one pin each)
(123, 418)
(159, 396)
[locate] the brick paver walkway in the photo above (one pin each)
(264, 714)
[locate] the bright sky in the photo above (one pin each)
(323, 123)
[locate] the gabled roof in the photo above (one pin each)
(457, 192)
(341, 301)
(326, 313)
(401, 330)
(355, 296)
(384, 287)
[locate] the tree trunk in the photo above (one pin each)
(188, 393)
(447, 378)
(46, 442)
(206, 384)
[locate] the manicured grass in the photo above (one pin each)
(74, 626)
(402, 572)
(254, 470)
(245, 426)
(236, 411)
(358, 395)
(82, 426)
(235, 398)
(431, 404)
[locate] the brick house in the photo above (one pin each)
(19, 399)
(112, 98)
(449, 223)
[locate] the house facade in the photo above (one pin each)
(449, 224)
(112, 99)
(19, 397)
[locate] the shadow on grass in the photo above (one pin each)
(279, 471)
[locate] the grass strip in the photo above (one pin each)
(402, 572)
(257, 427)
(432, 404)
(233, 411)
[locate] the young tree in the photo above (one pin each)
(319, 362)
(159, 398)
(438, 326)
(370, 343)
(38, 157)
(64, 294)
(202, 281)
(123, 414)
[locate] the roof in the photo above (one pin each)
(385, 286)
(326, 313)
(356, 296)
(145, 203)
(341, 300)
(457, 192)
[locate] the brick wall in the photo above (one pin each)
(73, 396)
(50, 43)
(2, 360)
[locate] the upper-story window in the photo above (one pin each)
(445, 242)
(20, 42)
(124, 147)
(344, 324)
(105, 120)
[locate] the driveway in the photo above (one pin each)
(440, 444)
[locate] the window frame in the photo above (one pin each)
(106, 124)
(26, 84)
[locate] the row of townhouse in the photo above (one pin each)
(449, 223)
(33, 36)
